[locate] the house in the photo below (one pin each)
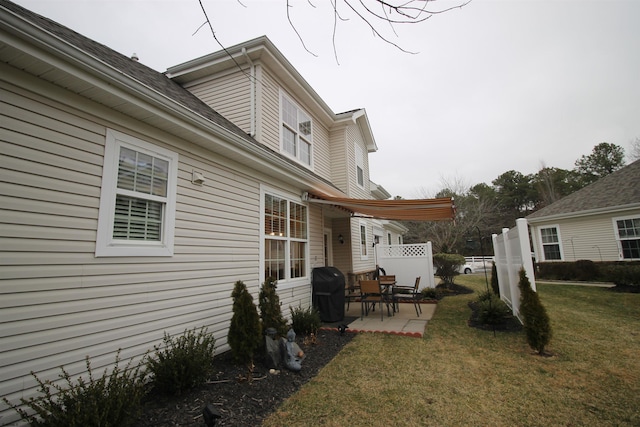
(600, 222)
(133, 200)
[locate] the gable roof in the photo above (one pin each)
(99, 73)
(617, 191)
(262, 49)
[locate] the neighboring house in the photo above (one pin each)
(600, 222)
(130, 205)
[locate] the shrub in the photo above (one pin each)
(586, 270)
(270, 312)
(494, 279)
(183, 362)
(429, 293)
(492, 310)
(110, 401)
(537, 325)
(305, 321)
(447, 266)
(623, 275)
(484, 295)
(245, 334)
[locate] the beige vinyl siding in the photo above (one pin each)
(59, 303)
(339, 159)
(582, 237)
(321, 150)
(342, 252)
(269, 111)
(269, 126)
(354, 137)
(360, 264)
(229, 94)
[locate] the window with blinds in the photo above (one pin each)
(137, 206)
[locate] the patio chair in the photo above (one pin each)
(408, 293)
(370, 293)
(352, 294)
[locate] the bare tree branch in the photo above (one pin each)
(296, 30)
(218, 41)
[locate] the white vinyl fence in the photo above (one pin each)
(408, 262)
(513, 252)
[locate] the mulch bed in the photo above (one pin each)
(240, 402)
(248, 403)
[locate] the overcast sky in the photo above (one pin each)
(493, 86)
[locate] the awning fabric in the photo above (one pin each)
(440, 209)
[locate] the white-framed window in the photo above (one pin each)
(296, 131)
(628, 236)
(364, 254)
(550, 240)
(359, 166)
(137, 199)
(389, 239)
(285, 237)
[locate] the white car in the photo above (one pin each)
(465, 269)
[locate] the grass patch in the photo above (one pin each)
(457, 375)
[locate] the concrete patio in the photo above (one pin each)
(404, 322)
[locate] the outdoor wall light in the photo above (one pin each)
(341, 239)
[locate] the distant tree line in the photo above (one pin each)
(482, 209)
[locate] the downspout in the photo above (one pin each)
(252, 92)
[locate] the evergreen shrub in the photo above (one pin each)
(536, 321)
(183, 362)
(494, 279)
(112, 400)
(245, 333)
(305, 321)
(270, 311)
(492, 310)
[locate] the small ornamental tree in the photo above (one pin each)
(494, 279)
(447, 266)
(245, 332)
(537, 325)
(270, 311)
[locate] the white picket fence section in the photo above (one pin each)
(408, 262)
(512, 252)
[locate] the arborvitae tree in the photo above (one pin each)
(537, 325)
(245, 332)
(494, 279)
(270, 311)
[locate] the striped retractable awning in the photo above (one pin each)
(440, 209)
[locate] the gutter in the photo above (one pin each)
(253, 92)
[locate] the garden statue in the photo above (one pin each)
(292, 353)
(273, 353)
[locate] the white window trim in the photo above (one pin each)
(106, 246)
(360, 164)
(283, 95)
(557, 227)
(288, 283)
(361, 224)
(617, 235)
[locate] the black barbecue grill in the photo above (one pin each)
(328, 293)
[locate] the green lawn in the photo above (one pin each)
(457, 375)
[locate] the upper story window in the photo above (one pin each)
(550, 243)
(137, 200)
(628, 234)
(296, 131)
(360, 166)
(285, 238)
(363, 241)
